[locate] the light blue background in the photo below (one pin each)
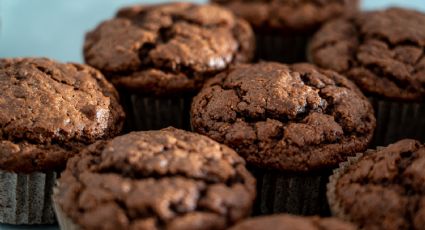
(56, 28)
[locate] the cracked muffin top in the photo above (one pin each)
(295, 118)
(385, 188)
(292, 15)
(50, 110)
(381, 51)
(166, 179)
(290, 222)
(168, 48)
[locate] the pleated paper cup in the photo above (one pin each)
(151, 113)
(65, 223)
(280, 47)
(26, 198)
(398, 120)
(294, 193)
(334, 204)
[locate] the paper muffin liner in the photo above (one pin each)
(335, 206)
(65, 223)
(26, 198)
(286, 48)
(294, 193)
(150, 113)
(397, 120)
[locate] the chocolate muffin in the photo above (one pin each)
(158, 56)
(289, 222)
(283, 28)
(383, 188)
(48, 112)
(166, 179)
(383, 53)
(292, 123)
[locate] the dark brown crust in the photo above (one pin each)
(298, 16)
(289, 222)
(168, 48)
(295, 118)
(385, 188)
(167, 179)
(383, 52)
(49, 110)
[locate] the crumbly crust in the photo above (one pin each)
(301, 16)
(381, 51)
(167, 179)
(384, 189)
(168, 48)
(49, 110)
(295, 118)
(289, 222)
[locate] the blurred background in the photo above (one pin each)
(56, 28)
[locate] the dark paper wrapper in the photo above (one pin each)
(286, 48)
(65, 223)
(335, 206)
(150, 113)
(397, 120)
(26, 198)
(294, 193)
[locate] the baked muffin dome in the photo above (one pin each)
(299, 16)
(381, 51)
(289, 222)
(50, 110)
(383, 189)
(295, 118)
(168, 48)
(166, 179)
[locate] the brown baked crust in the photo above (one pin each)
(381, 51)
(385, 188)
(49, 110)
(295, 118)
(167, 179)
(168, 48)
(298, 16)
(290, 222)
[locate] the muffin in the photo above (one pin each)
(48, 112)
(382, 188)
(383, 53)
(166, 179)
(158, 56)
(292, 123)
(283, 28)
(289, 222)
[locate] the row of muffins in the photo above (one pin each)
(166, 179)
(294, 123)
(161, 56)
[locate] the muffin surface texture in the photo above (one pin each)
(295, 118)
(49, 110)
(168, 179)
(384, 188)
(381, 51)
(168, 48)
